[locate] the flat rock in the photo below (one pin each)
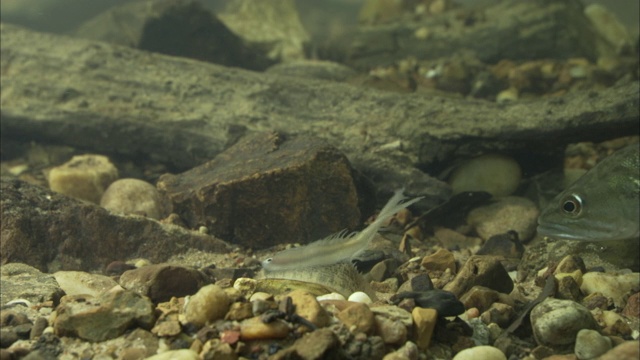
(53, 232)
(104, 317)
(21, 281)
(82, 283)
(268, 188)
(509, 213)
(320, 344)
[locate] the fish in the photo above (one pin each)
(338, 247)
(603, 204)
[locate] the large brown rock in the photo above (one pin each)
(53, 232)
(268, 189)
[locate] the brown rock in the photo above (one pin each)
(480, 297)
(302, 187)
(509, 213)
(626, 350)
(50, 231)
(83, 177)
(484, 271)
(209, 304)
(358, 318)
(424, 321)
(441, 260)
(161, 282)
(498, 313)
(240, 311)
(309, 308)
(320, 344)
(632, 308)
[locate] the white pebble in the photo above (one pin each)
(331, 296)
(360, 297)
(260, 296)
(480, 352)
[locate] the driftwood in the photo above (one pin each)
(112, 99)
(535, 29)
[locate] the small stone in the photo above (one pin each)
(420, 282)
(8, 337)
(79, 283)
(596, 301)
(360, 296)
(480, 297)
(331, 296)
(135, 197)
(394, 313)
(383, 269)
(614, 286)
(209, 304)
(259, 295)
(557, 322)
(632, 308)
(218, 350)
(507, 245)
(424, 322)
(319, 344)
(483, 352)
(38, 327)
(626, 350)
(498, 313)
(392, 332)
(496, 174)
(590, 344)
(569, 264)
(439, 261)
(409, 351)
(161, 282)
(309, 308)
(167, 328)
(358, 318)
(481, 270)
(255, 329)
(507, 214)
(240, 311)
(182, 354)
(83, 177)
(21, 281)
(13, 318)
(613, 323)
(507, 95)
(568, 289)
(102, 318)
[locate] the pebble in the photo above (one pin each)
(498, 313)
(510, 213)
(135, 197)
(632, 308)
(331, 296)
(319, 344)
(394, 313)
(424, 322)
(496, 174)
(569, 264)
(409, 351)
(309, 308)
(441, 260)
(259, 295)
(104, 317)
(79, 282)
(444, 302)
(360, 296)
(481, 270)
(480, 352)
(182, 354)
(209, 304)
(358, 318)
(615, 286)
(255, 329)
(507, 245)
(83, 177)
(392, 332)
(482, 298)
(557, 322)
(590, 344)
(161, 282)
(21, 281)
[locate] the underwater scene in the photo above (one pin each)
(337, 179)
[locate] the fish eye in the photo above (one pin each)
(572, 205)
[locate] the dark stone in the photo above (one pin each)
(53, 232)
(421, 283)
(39, 325)
(48, 346)
(445, 303)
(507, 245)
(7, 337)
(161, 282)
(173, 27)
(268, 189)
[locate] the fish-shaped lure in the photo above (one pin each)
(603, 204)
(336, 248)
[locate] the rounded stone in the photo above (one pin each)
(480, 352)
(557, 322)
(590, 344)
(209, 304)
(496, 174)
(135, 197)
(83, 177)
